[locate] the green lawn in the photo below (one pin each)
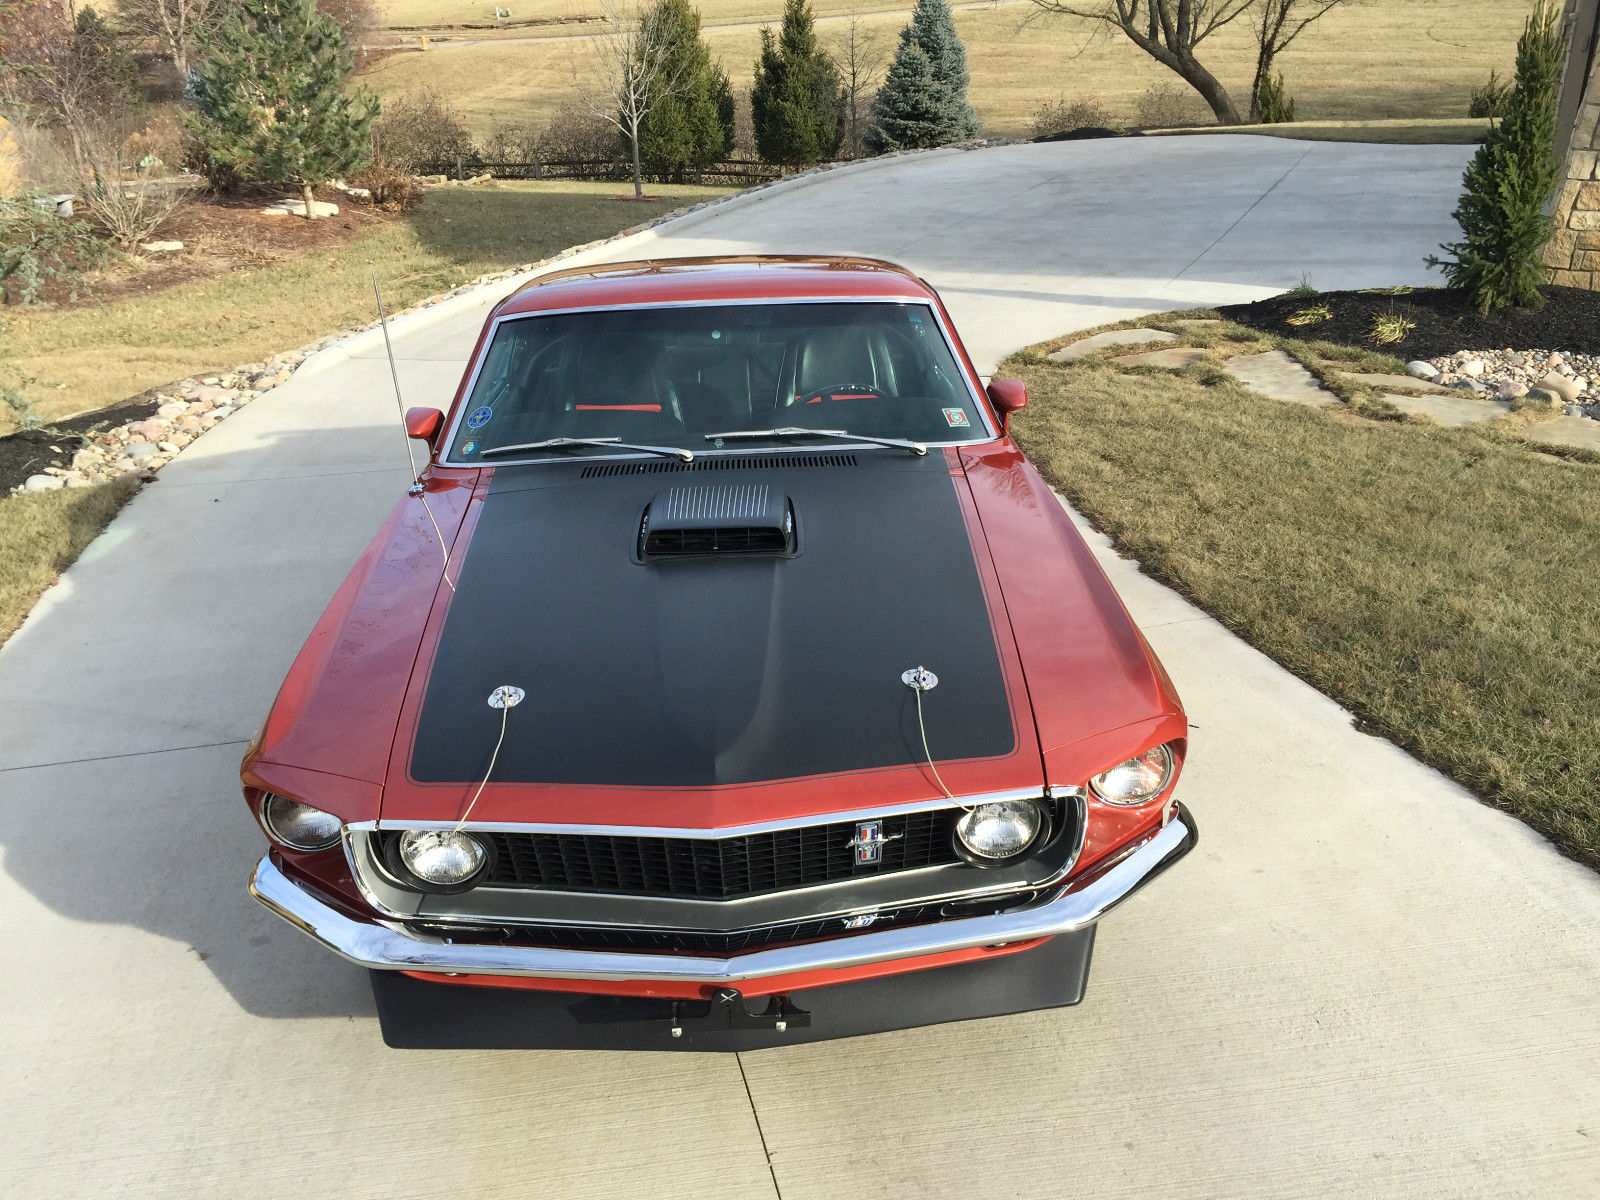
(86, 358)
(1439, 583)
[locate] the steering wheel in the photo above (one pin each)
(841, 391)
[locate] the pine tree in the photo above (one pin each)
(1502, 212)
(693, 127)
(273, 105)
(796, 98)
(923, 101)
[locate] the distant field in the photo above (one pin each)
(1376, 59)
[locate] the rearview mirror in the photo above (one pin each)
(1007, 395)
(424, 423)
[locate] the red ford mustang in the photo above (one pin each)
(729, 678)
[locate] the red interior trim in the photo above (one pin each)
(617, 407)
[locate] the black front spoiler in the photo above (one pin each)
(417, 1014)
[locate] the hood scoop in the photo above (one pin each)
(716, 520)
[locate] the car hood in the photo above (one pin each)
(714, 687)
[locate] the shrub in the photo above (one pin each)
(1502, 211)
(1055, 117)
(1162, 107)
(1490, 99)
(392, 190)
(575, 134)
(1274, 105)
(1390, 327)
(512, 143)
(126, 203)
(38, 246)
(1313, 314)
(419, 130)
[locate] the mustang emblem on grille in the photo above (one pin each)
(869, 841)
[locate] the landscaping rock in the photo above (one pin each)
(1539, 400)
(176, 409)
(1562, 386)
(139, 451)
(161, 247)
(1449, 410)
(42, 483)
(212, 395)
(1112, 337)
(1512, 389)
(297, 208)
(1472, 368)
(1423, 370)
(1277, 375)
(149, 430)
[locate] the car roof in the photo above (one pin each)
(733, 278)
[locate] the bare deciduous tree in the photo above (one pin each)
(634, 72)
(859, 57)
(1279, 22)
(1168, 31)
(172, 23)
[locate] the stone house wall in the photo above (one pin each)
(1574, 250)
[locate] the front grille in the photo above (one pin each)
(717, 868)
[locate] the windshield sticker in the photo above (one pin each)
(479, 417)
(956, 418)
(470, 448)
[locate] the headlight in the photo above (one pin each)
(1137, 780)
(992, 834)
(441, 860)
(299, 826)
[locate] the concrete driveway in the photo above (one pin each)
(1362, 983)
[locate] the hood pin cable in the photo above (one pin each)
(505, 697)
(418, 488)
(919, 680)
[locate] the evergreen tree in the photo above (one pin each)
(923, 101)
(1502, 212)
(796, 98)
(693, 127)
(273, 105)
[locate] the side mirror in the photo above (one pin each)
(1007, 395)
(424, 424)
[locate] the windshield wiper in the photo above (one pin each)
(566, 443)
(796, 431)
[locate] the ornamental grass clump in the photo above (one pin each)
(1502, 214)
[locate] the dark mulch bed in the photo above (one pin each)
(31, 451)
(1084, 134)
(1445, 321)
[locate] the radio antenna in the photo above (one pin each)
(394, 377)
(418, 489)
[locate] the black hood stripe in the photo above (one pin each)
(717, 670)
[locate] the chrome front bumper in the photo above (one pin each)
(386, 946)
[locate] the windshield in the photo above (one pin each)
(670, 376)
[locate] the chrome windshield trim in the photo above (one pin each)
(383, 946)
(980, 401)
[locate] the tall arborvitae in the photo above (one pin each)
(1502, 213)
(273, 105)
(693, 127)
(923, 101)
(796, 99)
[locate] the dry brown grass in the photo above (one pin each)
(86, 358)
(1423, 577)
(1374, 60)
(42, 534)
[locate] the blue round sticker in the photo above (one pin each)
(479, 417)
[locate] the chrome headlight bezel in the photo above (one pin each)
(395, 861)
(1132, 794)
(274, 812)
(1033, 810)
